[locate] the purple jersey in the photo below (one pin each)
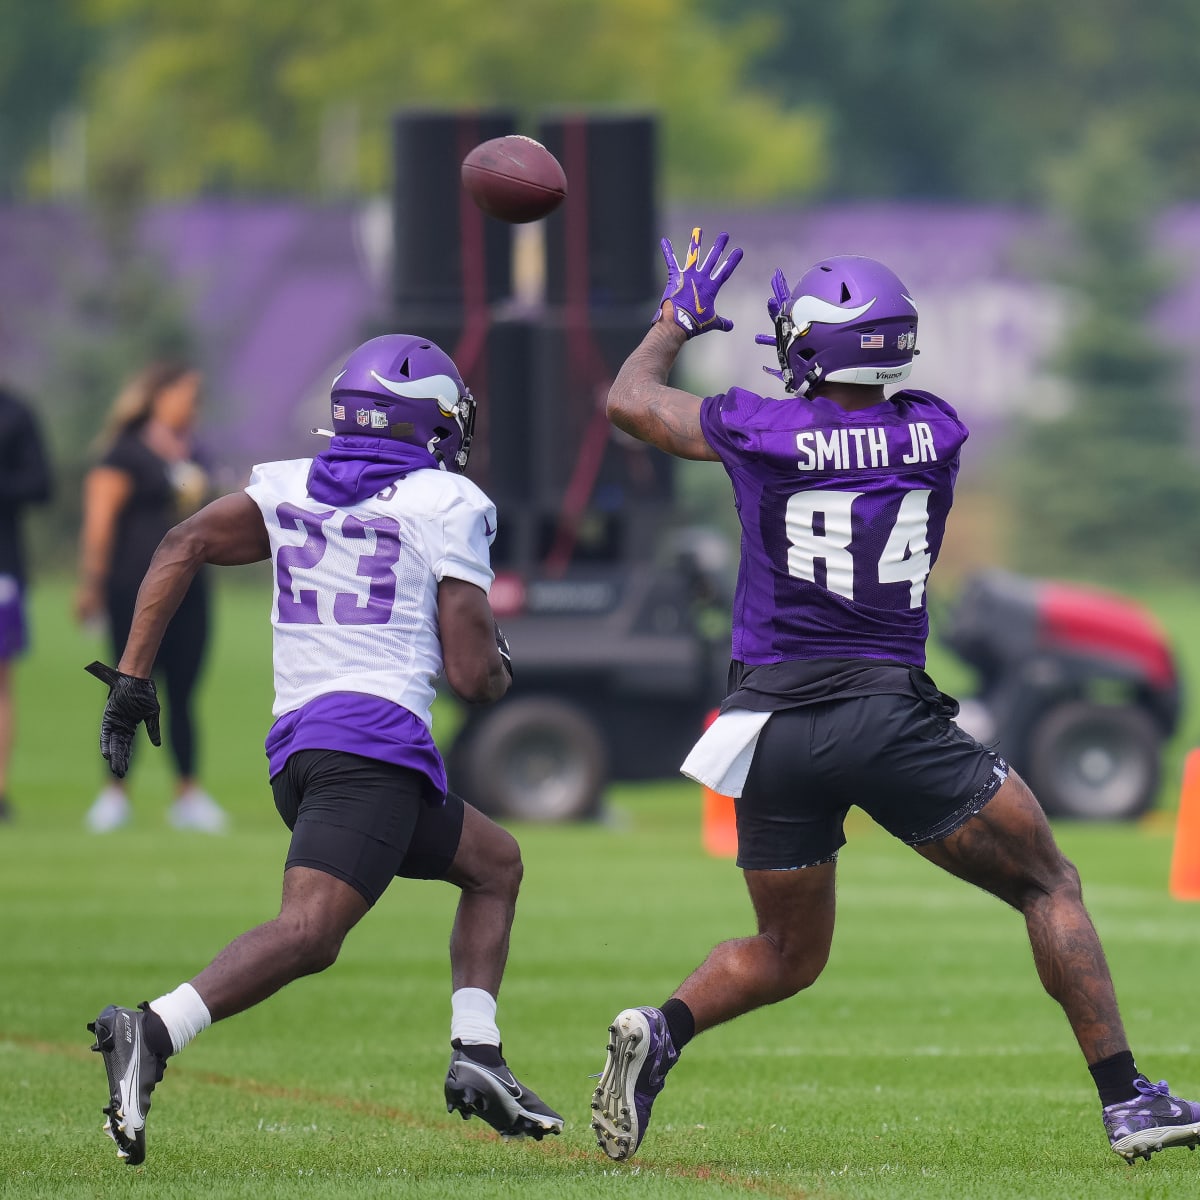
(842, 519)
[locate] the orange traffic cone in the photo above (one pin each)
(718, 821)
(720, 825)
(1185, 858)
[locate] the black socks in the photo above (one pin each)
(681, 1025)
(154, 1030)
(1114, 1078)
(485, 1056)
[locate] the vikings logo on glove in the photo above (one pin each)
(692, 288)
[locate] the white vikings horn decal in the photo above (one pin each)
(441, 388)
(807, 309)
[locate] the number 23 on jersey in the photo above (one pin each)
(381, 536)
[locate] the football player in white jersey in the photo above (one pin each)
(380, 548)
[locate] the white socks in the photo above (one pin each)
(473, 1018)
(183, 1013)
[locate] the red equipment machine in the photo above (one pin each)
(1078, 689)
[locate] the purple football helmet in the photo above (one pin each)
(848, 320)
(404, 387)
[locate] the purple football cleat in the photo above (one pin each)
(1152, 1120)
(640, 1053)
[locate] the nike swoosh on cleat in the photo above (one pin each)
(514, 1089)
(128, 1084)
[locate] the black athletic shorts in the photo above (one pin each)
(364, 821)
(898, 757)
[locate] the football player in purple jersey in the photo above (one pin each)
(381, 555)
(843, 490)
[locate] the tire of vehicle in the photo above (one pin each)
(536, 758)
(1096, 762)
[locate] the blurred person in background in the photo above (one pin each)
(842, 492)
(148, 478)
(24, 479)
(381, 556)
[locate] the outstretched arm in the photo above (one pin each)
(641, 403)
(228, 532)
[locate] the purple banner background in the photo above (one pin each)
(280, 292)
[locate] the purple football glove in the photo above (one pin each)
(780, 295)
(777, 304)
(692, 288)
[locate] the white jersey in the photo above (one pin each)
(354, 606)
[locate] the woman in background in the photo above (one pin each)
(147, 480)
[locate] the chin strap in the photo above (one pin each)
(810, 380)
(784, 372)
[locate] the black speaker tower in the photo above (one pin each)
(568, 486)
(443, 246)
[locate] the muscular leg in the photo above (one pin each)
(795, 913)
(316, 914)
(1008, 849)
(487, 867)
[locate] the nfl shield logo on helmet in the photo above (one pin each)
(364, 416)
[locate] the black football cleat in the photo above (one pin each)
(133, 1070)
(496, 1095)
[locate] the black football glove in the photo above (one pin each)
(505, 652)
(130, 701)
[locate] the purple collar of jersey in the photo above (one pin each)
(353, 468)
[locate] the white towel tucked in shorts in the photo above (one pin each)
(721, 758)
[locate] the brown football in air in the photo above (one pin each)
(514, 178)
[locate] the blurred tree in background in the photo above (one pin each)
(122, 314)
(44, 47)
(862, 98)
(1109, 487)
(226, 97)
(760, 101)
(946, 100)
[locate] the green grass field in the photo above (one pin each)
(926, 1062)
